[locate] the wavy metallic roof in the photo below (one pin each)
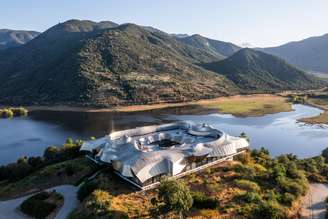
(149, 151)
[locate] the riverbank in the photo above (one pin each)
(240, 105)
(321, 103)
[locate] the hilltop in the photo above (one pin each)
(253, 70)
(13, 38)
(105, 64)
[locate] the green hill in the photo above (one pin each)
(218, 48)
(13, 38)
(309, 54)
(253, 70)
(103, 64)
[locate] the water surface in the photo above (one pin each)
(280, 132)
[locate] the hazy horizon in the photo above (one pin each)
(256, 23)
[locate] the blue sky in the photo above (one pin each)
(259, 22)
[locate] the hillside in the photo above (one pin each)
(215, 47)
(13, 38)
(309, 54)
(103, 64)
(253, 70)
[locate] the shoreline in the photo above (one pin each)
(145, 107)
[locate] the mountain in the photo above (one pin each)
(310, 54)
(104, 64)
(218, 48)
(12, 38)
(253, 70)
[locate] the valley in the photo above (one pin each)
(200, 127)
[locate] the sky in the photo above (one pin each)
(257, 22)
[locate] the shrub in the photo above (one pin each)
(37, 207)
(287, 198)
(19, 111)
(99, 203)
(201, 201)
(35, 161)
(247, 185)
(7, 113)
(51, 153)
(325, 154)
(86, 189)
(175, 195)
(251, 197)
(268, 209)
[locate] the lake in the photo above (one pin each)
(280, 132)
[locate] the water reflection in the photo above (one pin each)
(279, 132)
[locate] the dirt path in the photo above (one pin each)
(313, 206)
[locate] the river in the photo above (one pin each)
(279, 132)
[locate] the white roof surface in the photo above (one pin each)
(137, 152)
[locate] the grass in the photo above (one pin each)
(251, 105)
(321, 102)
(246, 105)
(49, 176)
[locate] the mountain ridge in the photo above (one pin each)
(13, 38)
(113, 66)
(309, 54)
(255, 70)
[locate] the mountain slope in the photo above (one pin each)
(88, 63)
(309, 54)
(12, 38)
(253, 70)
(217, 48)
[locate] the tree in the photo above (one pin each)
(244, 135)
(175, 195)
(325, 154)
(51, 153)
(69, 141)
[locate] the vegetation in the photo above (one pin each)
(106, 65)
(66, 172)
(215, 47)
(86, 189)
(41, 205)
(255, 71)
(13, 38)
(300, 99)
(26, 166)
(58, 165)
(304, 54)
(253, 186)
(99, 203)
(174, 195)
(11, 112)
(201, 201)
(320, 101)
(123, 65)
(252, 105)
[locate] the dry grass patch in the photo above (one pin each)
(254, 105)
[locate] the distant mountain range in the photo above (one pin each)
(253, 70)
(12, 38)
(102, 64)
(105, 64)
(310, 54)
(217, 48)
